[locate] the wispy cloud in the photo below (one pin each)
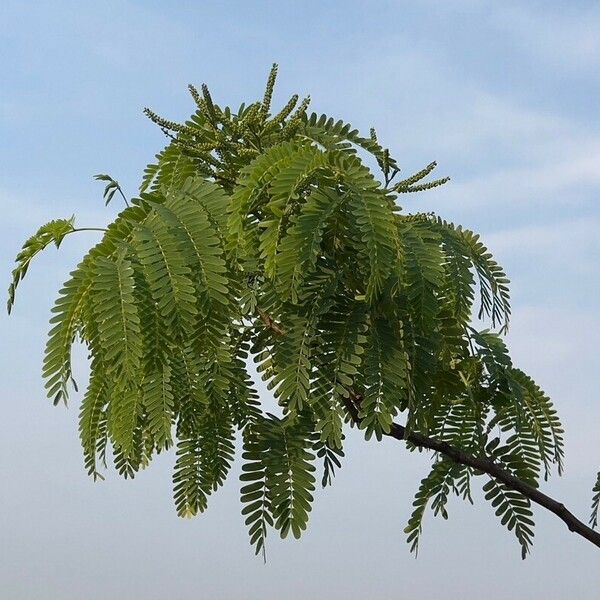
(564, 36)
(564, 238)
(557, 182)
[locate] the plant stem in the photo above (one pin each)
(486, 465)
(481, 463)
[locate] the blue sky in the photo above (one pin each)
(503, 95)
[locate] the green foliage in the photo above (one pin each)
(278, 477)
(514, 511)
(52, 232)
(111, 188)
(264, 237)
(595, 503)
(436, 485)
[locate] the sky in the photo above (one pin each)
(504, 95)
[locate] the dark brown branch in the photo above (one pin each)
(488, 466)
(481, 463)
(269, 322)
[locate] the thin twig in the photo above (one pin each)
(481, 463)
(270, 322)
(87, 229)
(487, 465)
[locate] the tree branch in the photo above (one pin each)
(269, 322)
(485, 464)
(481, 463)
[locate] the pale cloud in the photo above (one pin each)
(492, 121)
(561, 35)
(523, 153)
(567, 239)
(564, 172)
(564, 36)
